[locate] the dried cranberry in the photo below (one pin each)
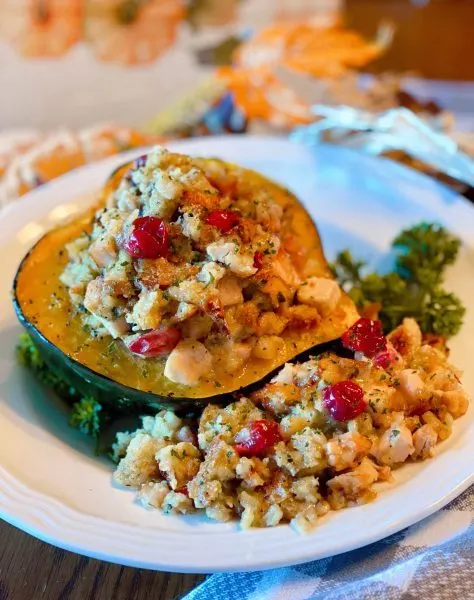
(258, 260)
(223, 219)
(141, 161)
(257, 437)
(344, 400)
(159, 342)
(365, 336)
(149, 238)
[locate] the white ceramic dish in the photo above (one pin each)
(52, 485)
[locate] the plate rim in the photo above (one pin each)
(40, 530)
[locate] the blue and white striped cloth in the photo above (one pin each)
(433, 559)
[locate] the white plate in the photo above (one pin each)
(52, 485)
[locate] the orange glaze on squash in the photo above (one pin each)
(44, 301)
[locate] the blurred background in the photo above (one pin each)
(92, 77)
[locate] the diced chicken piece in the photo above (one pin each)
(139, 464)
(103, 251)
(179, 463)
(188, 362)
(456, 401)
(424, 440)
(395, 445)
(344, 450)
(413, 389)
(153, 493)
(211, 273)
(230, 291)
(406, 338)
(324, 294)
(351, 485)
(228, 254)
(286, 375)
(147, 312)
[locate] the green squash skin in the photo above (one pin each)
(123, 398)
(126, 399)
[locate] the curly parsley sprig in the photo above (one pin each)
(414, 288)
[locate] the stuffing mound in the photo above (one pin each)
(190, 260)
(317, 437)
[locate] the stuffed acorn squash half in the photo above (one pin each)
(190, 281)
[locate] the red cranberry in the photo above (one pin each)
(344, 400)
(257, 437)
(149, 238)
(159, 342)
(141, 161)
(258, 260)
(224, 220)
(365, 336)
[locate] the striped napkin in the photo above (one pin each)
(433, 559)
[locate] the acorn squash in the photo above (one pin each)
(104, 368)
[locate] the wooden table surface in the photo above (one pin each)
(33, 570)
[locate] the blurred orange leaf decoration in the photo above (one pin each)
(40, 158)
(132, 31)
(304, 48)
(43, 28)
